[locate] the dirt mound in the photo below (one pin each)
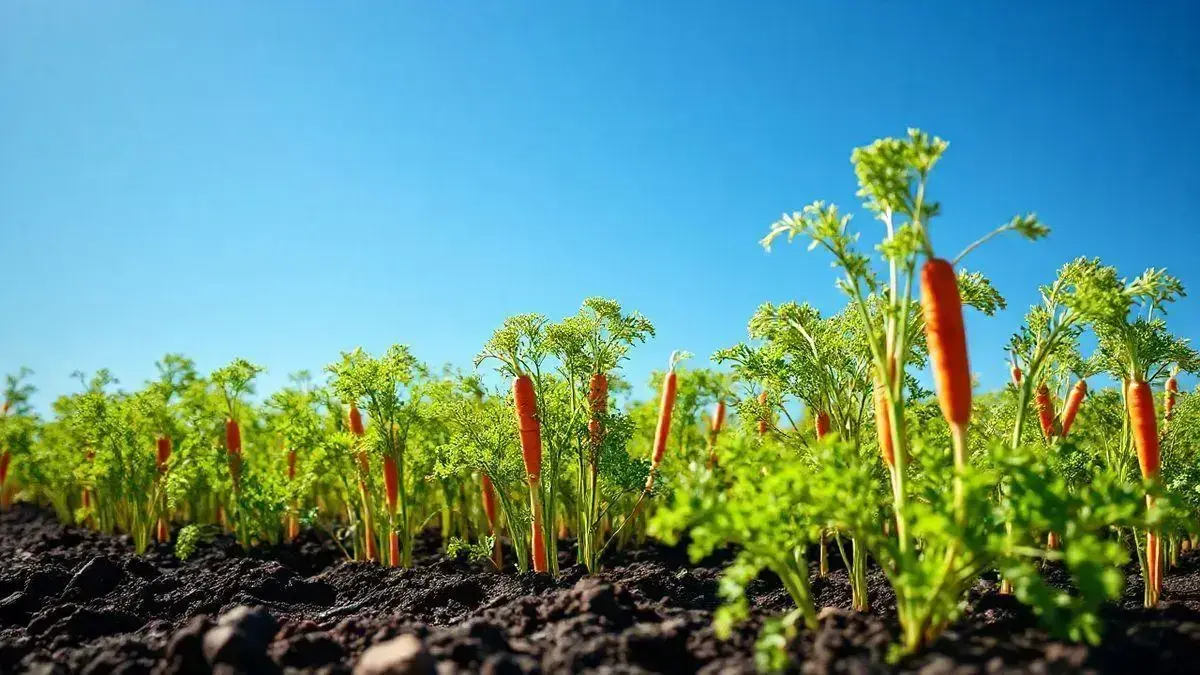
(72, 601)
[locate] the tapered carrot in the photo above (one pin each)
(525, 400)
(162, 452)
(1139, 402)
(1071, 409)
(391, 486)
(946, 338)
(1143, 422)
(598, 401)
(490, 512)
(1016, 375)
(233, 445)
(1045, 409)
(1172, 389)
(233, 436)
(763, 423)
(821, 424)
(883, 424)
(718, 418)
(883, 420)
(293, 529)
(357, 428)
(666, 407)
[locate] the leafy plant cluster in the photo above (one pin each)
(822, 432)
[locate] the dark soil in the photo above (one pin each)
(75, 601)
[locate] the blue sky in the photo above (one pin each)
(282, 181)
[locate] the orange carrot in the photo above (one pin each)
(356, 422)
(883, 424)
(489, 511)
(1074, 401)
(1172, 388)
(947, 341)
(391, 484)
(763, 424)
(598, 401)
(1016, 375)
(233, 436)
(718, 418)
(822, 424)
(364, 464)
(233, 444)
(162, 447)
(525, 400)
(1045, 408)
(293, 526)
(662, 432)
(883, 420)
(1139, 402)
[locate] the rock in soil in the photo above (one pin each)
(74, 601)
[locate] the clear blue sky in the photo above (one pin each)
(283, 181)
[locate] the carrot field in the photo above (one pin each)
(835, 493)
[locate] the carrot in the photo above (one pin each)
(293, 527)
(489, 510)
(883, 424)
(364, 464)
(1016, 375)
(763, 424)
(1139, 402)
(947, 340)
(233, 444)
(4, 460)
(1045, 408)
(1172, 388)
(665, 408)
(525, 400)
(822, 425)
(233, 436)
(391, 482)
(162, 448)
(1074, 401)
(718, 418)
(598, 401)
(391, 485)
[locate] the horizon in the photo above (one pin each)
(229, 180)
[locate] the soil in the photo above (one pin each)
(74, 601)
